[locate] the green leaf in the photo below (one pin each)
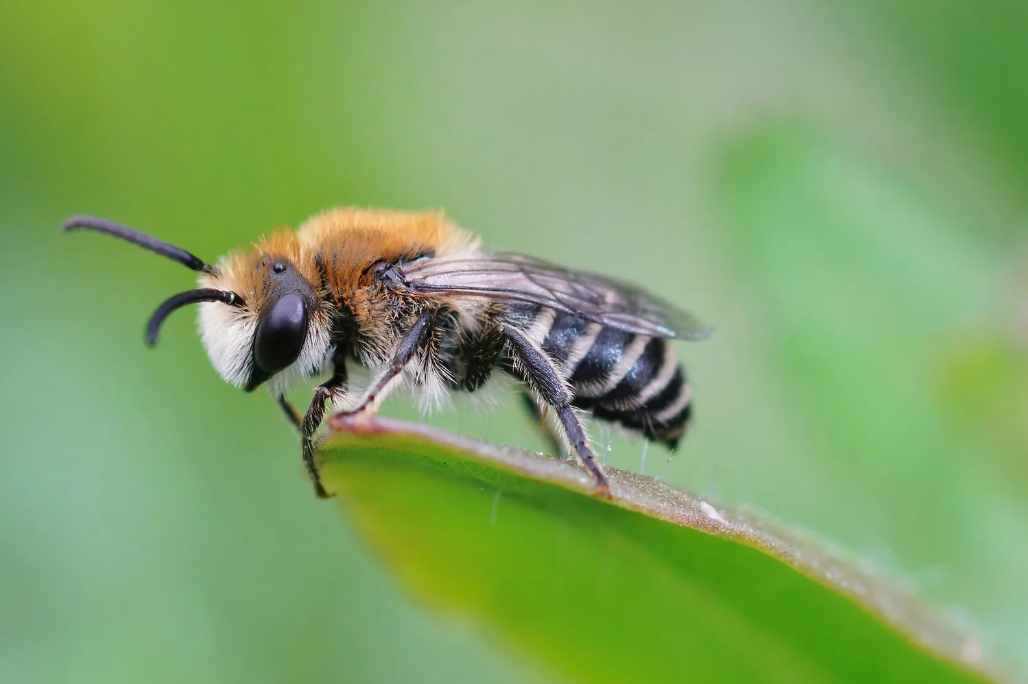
(516, 542)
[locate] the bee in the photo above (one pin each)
(419, 303)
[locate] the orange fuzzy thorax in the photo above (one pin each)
(348, 240)
(333, 252)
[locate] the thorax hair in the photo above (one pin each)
(335, 250)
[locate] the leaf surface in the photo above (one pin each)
(653, 586)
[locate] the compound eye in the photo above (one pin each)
(281, 334)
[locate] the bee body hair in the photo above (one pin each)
(416, 301)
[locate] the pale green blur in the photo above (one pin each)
(837, 188)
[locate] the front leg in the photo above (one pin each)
(291, 414)
(313, 417)
(409, 345)
(312, 420)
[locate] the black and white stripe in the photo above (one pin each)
(633, 380)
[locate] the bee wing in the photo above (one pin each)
(512, 277)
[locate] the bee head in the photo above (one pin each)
(260, 319)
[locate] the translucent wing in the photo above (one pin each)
(505, 276)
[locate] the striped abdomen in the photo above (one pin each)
(633, 380)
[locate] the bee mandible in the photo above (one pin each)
(418, 302)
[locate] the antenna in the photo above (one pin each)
(141, 239)
(204, 294)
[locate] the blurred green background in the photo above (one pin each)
(839, 188)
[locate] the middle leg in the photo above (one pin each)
(408, 346)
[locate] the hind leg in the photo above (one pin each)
(540, 372)
(552, 438)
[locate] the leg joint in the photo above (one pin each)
(538, 368)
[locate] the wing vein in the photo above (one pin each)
(517, 278)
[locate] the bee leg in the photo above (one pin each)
(310, 423)
(576, 435)
(543, 376)
(290, 411)
(408, 346)
(533, 409)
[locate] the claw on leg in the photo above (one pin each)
(310, 424)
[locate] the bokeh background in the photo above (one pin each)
(839, 188)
